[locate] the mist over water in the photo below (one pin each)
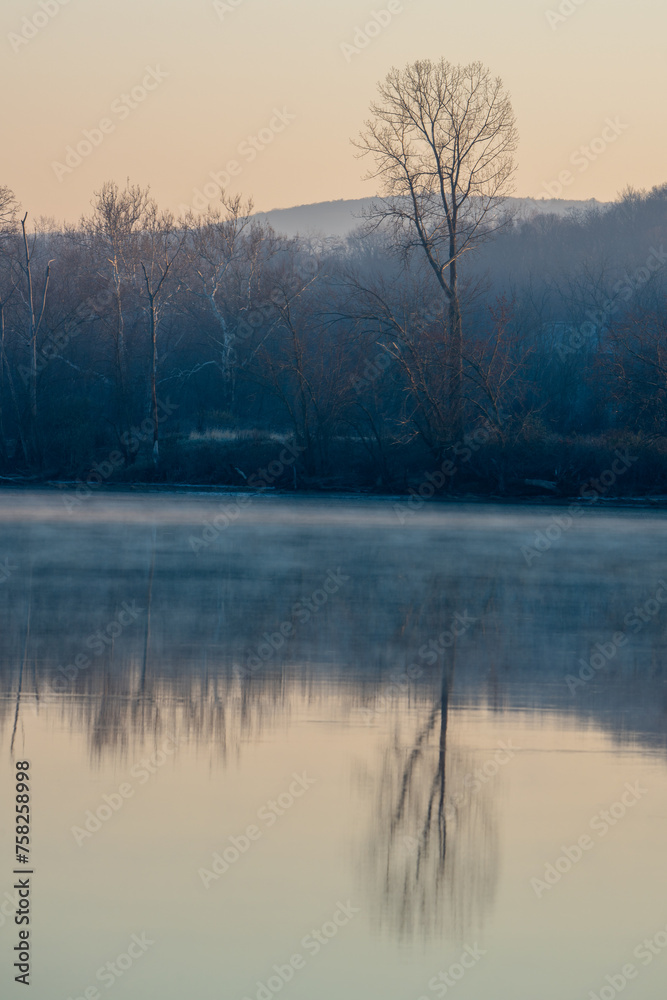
(459, 713)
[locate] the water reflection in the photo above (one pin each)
(116, 628)
(433, 846)
(200, 618)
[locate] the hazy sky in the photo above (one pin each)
(227, 69)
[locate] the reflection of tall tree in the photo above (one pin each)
(433, 851)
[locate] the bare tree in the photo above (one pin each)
(397, 311)
(163, 243)
(226, 248)
(36, 304)
(112, 233)
(636, 359)
(300, 363)
(8, 217)
(443, 139)
(5, 296)
(8, 286)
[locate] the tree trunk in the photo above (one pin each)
(156, 432)
(456, 354)
(4, 364)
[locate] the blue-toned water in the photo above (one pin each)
(324, 749)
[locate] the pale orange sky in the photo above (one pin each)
(228, 69)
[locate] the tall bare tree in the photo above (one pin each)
(35, 300)
(112, 233)
(226, 250)
(443, 139)
(162, 243)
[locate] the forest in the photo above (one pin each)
(138, 347)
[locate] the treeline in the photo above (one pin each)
(135, 346)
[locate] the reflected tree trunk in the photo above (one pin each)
(22, 668)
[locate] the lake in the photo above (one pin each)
(334, 748)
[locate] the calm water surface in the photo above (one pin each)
(330, 752)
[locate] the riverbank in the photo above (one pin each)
(77, 489)
(524, 468)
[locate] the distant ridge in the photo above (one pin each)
(340, 218)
